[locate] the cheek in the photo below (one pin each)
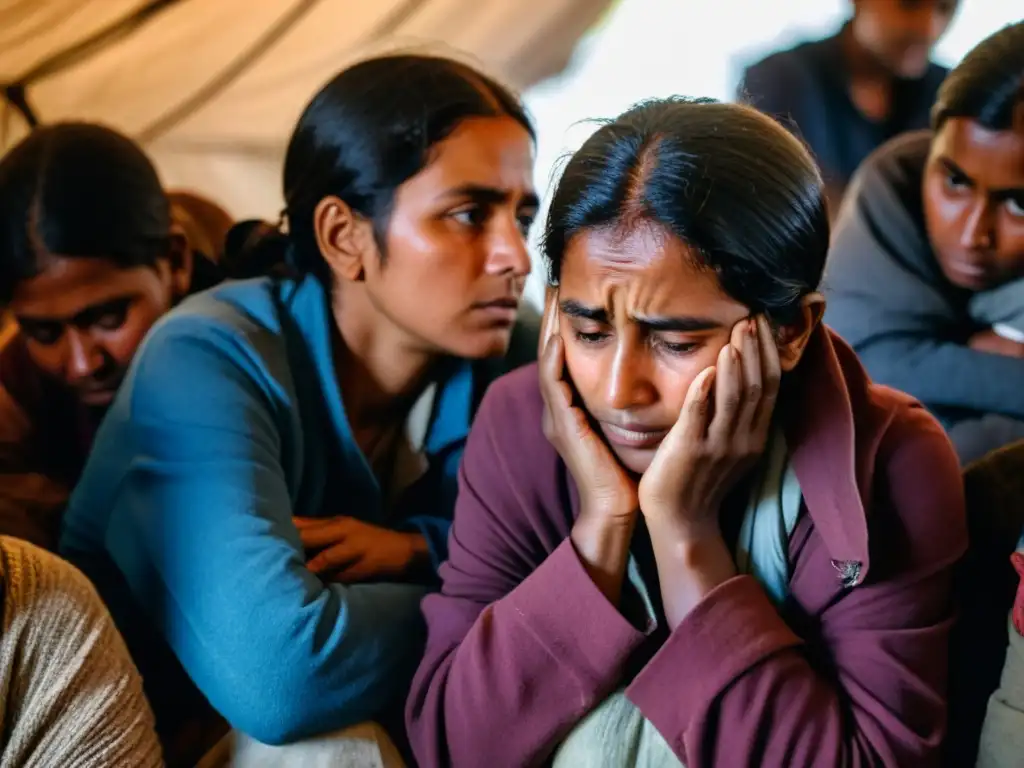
(587, 366)
(943, 211)
(47, 357)
(122, 343)
(427, 261)
(1011, 236)
(675, 374)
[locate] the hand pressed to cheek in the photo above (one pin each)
(713, 444)
(601, 482)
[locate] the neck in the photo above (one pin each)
(861, 63)
(380, 370)
(870, 81)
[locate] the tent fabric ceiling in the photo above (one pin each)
(212, 89)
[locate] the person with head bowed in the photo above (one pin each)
(696, 534)
(923, 277)
(271, 492)
(90, 258)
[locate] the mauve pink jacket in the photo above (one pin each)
(522, 645)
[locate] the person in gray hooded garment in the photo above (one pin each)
(923, 270)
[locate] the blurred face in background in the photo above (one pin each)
(901, 34)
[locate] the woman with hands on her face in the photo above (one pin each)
(696, 534)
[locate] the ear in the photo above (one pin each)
(181, 260)
(791, 339)
(345, 239)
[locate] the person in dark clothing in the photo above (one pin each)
(90, 258)
(933, 221)
(849, 93)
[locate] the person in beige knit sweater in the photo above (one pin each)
(70, 695)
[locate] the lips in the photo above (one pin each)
(503, 311)
(970, 274)
(97, 396)
(637, 436)
(507, 302)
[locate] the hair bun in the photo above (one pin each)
(255, 248)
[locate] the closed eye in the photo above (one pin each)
(44, 333)
(592, 337)
(679, 347)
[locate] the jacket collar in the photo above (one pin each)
(834, 440)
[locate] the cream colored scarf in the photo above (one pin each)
(616, 734)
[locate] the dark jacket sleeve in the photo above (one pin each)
(887, 298)
(867, 685)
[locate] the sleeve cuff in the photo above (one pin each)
(732, 629)
(566, 612)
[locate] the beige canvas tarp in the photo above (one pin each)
(212, 88)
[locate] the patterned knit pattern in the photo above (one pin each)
(70, 695)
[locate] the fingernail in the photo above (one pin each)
(752, 326)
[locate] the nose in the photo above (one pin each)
(925, 25)
(977, 232)
(629, 380)
(83, 357)
(508, 254)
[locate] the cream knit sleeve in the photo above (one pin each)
(69, 692)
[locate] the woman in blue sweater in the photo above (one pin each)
(270, 493)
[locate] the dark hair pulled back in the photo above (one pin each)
(78, 190)
(728, 181)
(364, 134)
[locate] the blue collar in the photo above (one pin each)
(453, 404)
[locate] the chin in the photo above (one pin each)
(634, 460)
(912, 67)
(480, 346)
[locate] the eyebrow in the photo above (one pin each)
(955, 169)
(1002, 193)
(492, 195)
(676, 324)
(83, 316)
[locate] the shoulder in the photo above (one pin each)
(234, 325)
(881, 219)
(506, 442)
(210, 361)
(896, 165)
(792, 62)
(512, 408)
(904, 458)
(921, 473)
(40, 586)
